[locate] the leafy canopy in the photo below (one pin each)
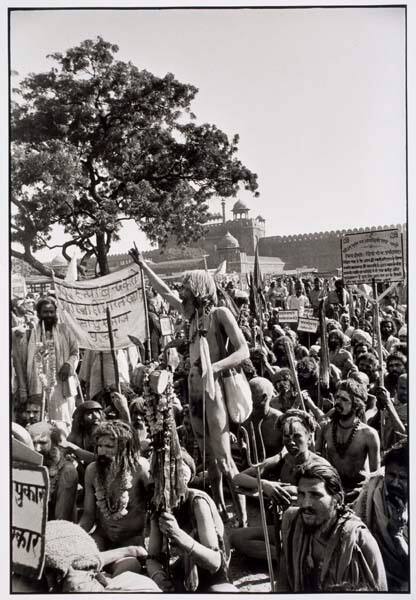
(96, 141)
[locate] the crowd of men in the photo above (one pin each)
(330, 429)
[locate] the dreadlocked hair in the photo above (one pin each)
(128, 447)
(203, 287)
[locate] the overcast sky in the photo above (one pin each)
(316, 95)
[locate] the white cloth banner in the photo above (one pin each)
(83, 306)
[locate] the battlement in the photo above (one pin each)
(322, 235)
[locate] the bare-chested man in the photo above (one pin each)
(197, 303)
(262, 391)
(115, 488)
(350, 445)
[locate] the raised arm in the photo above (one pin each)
(160, 286)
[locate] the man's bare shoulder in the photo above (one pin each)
(367, 431)
(90, 473)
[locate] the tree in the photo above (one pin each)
(96, 141)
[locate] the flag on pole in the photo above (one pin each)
(221, 269)
(258, 279)
(72, 272)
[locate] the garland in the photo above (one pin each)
(166, 464)
(342, 447)
(113, 496)
(45, 362)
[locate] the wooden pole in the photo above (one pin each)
(380, 357)
(146, 316)
(113, 352)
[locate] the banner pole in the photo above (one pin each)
(113, 353)
(380, 357)
(146, 316)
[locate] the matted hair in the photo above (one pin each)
(302, 416)
(128, 446)
(202, 286)
(358, 392)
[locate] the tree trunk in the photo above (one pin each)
(36, 264)
(102, 254)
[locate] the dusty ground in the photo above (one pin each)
(247, 574)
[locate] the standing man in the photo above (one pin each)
(346, 441)
(57, 369)
(298, 301)
(216, 327)
(325, 547)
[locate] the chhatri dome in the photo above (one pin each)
(240, 210)
(228, 241)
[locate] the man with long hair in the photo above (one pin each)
(212, 329)
(346, 441)
(324, 545)
(115, 488)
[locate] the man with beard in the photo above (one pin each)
(278, 477)
(382, 505)
(325, 545)
(338, 356)
(216, 345)
(115, 488)
(315, 295)
(58, 368)
(388, 332)
(63, 476)
(286, 391)
(346, 326)
(85, 422)
(346, 441)
(395, 366)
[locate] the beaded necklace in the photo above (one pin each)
(342, 447)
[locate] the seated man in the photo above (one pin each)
(325, 547)
(73, 564)
(286, 391)
(382, 505)
(278, 478)
(63, 475)
(115, 488)
(350, 445)
(196, 533)
(262, 391)
(85, 422)
(338, 355)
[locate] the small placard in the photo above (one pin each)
(308, 313)
(288, 316)
(166, 326)
(30, 492)
(308, 325)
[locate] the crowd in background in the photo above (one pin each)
(331, 431)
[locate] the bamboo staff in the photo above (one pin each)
(113, 353)
(293, 371)
(377, 333)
